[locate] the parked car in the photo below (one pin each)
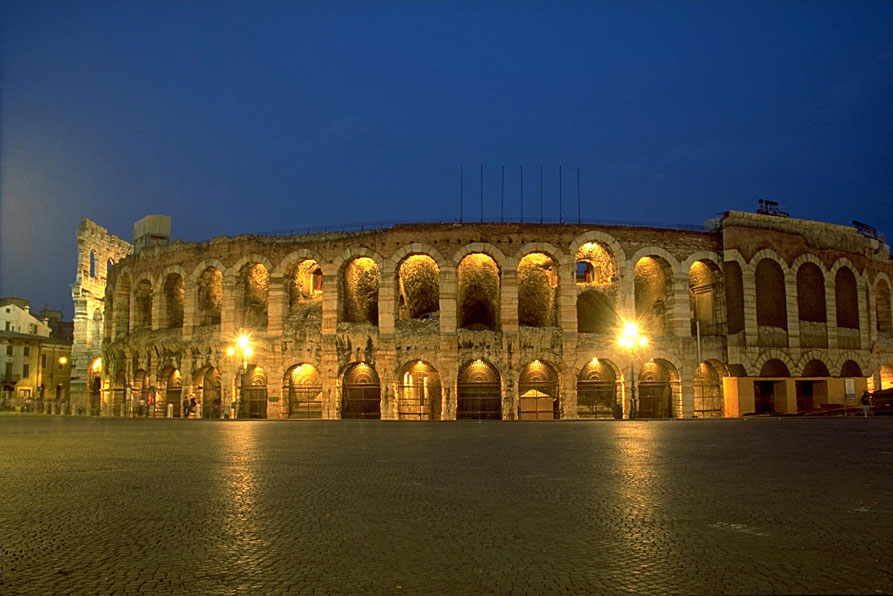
(882, 402)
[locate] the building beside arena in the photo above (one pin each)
(755, 313)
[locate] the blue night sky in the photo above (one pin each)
(240, 117)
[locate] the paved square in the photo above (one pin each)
(780, 505)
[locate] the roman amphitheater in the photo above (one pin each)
(754, 314)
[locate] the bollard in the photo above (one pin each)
(170, 410)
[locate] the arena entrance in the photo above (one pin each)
(212, 400)
(254, 394)
(419, 392)
(597, 392)
(708, 401)
(655, 391)
(538, 388)
(479, 392)
(173, 394)
(361, 395)
(304, 390)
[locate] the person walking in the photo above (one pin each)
(866, 404)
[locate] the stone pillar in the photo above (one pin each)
(230, 318)
(686, 377)
(567, 298)
(448, 297)
(277, 306)
(831, 313)
(680, 317)
(508, 298)
(190, 309)
(567, 386)
(329, 304)
(866, 328)
(749, 289)
(386, 298)
(793, 312)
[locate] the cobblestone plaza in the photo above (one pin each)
(764, 505)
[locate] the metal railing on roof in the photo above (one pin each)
(383, 225)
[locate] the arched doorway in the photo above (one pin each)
(304, 389)
(708, 401)
(418, 392)
(538, 389)
(95, 384)
(254, 393)
(173, 394)
(479, 392)
(597, 392)
(212, 401)
(361, 395)
(655, 391)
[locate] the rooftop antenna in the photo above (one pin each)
(560, 219)
(579, 211)
(502, 198)
(522, 193)
(461, 190)
(541, 194)
(482, 193)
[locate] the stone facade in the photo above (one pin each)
(480, 320)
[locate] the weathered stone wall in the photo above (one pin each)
(376, 285)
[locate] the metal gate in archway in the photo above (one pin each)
(254, 402)
(654, 399)
(708, 400)
(479, 401)
(172, 397)
(596, 399)
(305, 401)
(361, 401)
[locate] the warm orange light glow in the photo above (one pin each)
(243, 341)
(63, 360)
(230, 351)
(630, 339)
(248, 351)
(97, 366)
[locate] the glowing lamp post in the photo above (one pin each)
(631, 341)
(244, 350)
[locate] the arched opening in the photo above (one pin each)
(774, 368)
(703, 289)
(538, 389)
(122, 307)
(92, 264)
(419, 392)
(418, 288)
(815, 368)
(811, 306)
(479, 392)
(886, 376)
(653, 287)
(734, 290)
(142, 312)
(253, 289)
(305, 295)
(537, 291)
(851, 369)
(883, 312)
(303, 385)
(596, 313)
(847, 306)
(478, 289)
(359, 291)
(764, 391)
(173, 393)
(655, 398)
(174, 295)
(139, 394)
(772, 318)
(95, 384)
(597, 391)
(594, 265)
(708, 402)
(812, 388)
(210, 296)
(361, 394)
(212, 396)
(254, 393)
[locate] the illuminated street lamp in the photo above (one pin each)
(631, 341)
(244, 350)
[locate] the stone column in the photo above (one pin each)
(793, 313)
(230, 317)
(329, 304)
(508, 298)
(448, 297)
(680, 317)
(277, 306)
(567, 299)
(386, 298)
(831, 313)
(749, 289)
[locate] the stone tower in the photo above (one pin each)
(97, 251)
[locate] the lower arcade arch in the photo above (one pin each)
(173, 393)
(597, 392)
(419, 393)
(479, 392)
(254, 393)
(708, 400)
(361, 392)
(211, 397)
(538, 392)
(655, 390)
(303, 386)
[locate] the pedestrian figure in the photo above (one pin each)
(185, 407)
(192, 406)
(234, 410)
(866, 404)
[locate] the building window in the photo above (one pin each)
(27, 351)
(43, 361)
(9, 349)
(7, 325)
(26, 371)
